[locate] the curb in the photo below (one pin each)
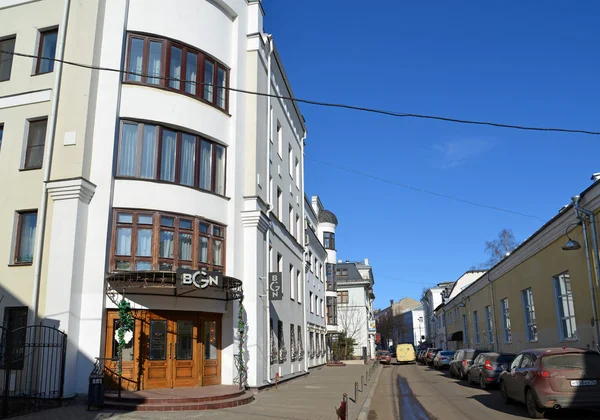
(364, 412)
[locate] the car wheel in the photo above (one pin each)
(504, 393)
(482, 383)
(534, 411)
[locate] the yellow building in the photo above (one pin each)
(541, 295)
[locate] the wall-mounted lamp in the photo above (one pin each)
(572, 244)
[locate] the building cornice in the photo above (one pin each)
(71, 189)
(255, 219)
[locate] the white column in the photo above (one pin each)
(255, 225)
(65, 265)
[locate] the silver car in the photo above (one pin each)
(442, 359)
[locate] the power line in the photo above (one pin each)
(319, 103)
(449, 197)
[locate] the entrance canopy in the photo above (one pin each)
(456, 336)
(194, 284)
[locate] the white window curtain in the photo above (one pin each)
(220, 170)
(148, 169)
(166, 244)
(191, 67)
(128, 153)
(185, 246)
(27, 237)
(123, 241)
(203, 251)
(169, 147)
(175, 70)
(154, 61)
(188, 159)
(217, 252)
(135, 59)
(209, 71)
(222, 84)
(205, 165)
(144, 243)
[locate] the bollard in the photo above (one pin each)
(355, 392)
(367, 376)
(345, 412)
(362, 383)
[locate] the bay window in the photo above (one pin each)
(149, 151)
(171, 65)
(147, 240)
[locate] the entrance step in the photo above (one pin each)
(182, 399)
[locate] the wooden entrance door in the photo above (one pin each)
(184, 338)
(157, 365)
(130, 354)
(211, 350)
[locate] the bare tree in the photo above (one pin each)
(500, 247)
(385, 324)
(352, 320)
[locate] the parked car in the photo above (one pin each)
(462, 361)
(383, 356)
(442, 359)
(421, 356)
(487, 367)
(553, 378)
(405, 353)
(431, 352)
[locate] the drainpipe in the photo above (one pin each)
(269, 210)
(591, 217)
(50, 136)
(494, 325)
(305, 247)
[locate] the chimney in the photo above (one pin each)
(391, 302)
(596, 176)
(366, 261)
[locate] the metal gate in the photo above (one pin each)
(32, 368)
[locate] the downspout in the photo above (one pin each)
(494, 325)
(304, 253)
(48, 151)
(269, 210)
(596, 261)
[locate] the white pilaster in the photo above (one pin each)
(65, 264)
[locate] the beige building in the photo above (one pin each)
(541, 295)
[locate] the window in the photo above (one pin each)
(6, 58)
(150, 241)
(322, 308)
(528, 308)
(515, 363)
(528, 361)
(1, 133)
(342, 296)
(331, 310)
(444, 319)
(312, 308)
(36, 138)
(329, 240)
(465, 330)
(47, 49)
(291, 161)
(279, 204)
(26, 226)
(505, 320)
(298, 229)
(456, 314)
(565, 307)
(279, 140)
(291, 221)
(489, 325)
(292, 283)
(449, 317)
(128, 349)
(279, 263)
(297, 166)
(165, 63)
(299, 283)
(13, 348)
(148, 151)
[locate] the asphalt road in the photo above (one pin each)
(417, 392)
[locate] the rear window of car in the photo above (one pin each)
(505, 358)
(589, 362)
(384, 353)
(469, 354)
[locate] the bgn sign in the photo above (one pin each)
(200, 279)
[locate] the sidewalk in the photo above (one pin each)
(313, 397)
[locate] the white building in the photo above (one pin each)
(355, 298)
(111, 182)
(431, 300)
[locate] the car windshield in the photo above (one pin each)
(505, 358)
(589, 362)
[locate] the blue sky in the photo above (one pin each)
(521, 62)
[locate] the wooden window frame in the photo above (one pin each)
(20, 214)
(343, 296)
(165, 68)
(155, 259)
(331, 237)
(43, 35)
(158, 157)
(28, 146)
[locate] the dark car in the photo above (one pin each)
(421, 356)
(553, 378)
(460, 364)
(383, 356)
(429, 356)
(487, 367)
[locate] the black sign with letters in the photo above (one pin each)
(275, 286)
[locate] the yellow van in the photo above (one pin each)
(405, 353)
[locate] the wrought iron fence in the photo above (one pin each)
(32, 368)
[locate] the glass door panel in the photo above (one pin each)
(185, 360)
(211, 351)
